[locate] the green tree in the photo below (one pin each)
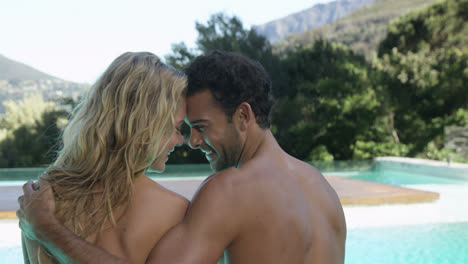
(25, 112)
(423, 68)
(222, 32)
(31, 130)
(440, 26)
(331, 103)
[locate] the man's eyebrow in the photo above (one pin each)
(196, 122)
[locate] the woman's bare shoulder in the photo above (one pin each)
(154, 211)
(157, 204)
(155, 195)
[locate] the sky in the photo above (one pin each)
(76, 40)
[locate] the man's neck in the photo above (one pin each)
(254, 143)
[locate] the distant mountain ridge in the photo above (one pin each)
(13, 70)
(18, 79)
(315, 16)
(361, 30)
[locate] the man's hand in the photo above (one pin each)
(37, 208)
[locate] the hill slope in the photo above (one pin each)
(13, 70)
(18, 79)
(317, 15)
(361, 30)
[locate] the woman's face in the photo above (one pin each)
(176, 139)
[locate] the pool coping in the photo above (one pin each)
(437, 163)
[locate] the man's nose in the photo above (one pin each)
(195, 139)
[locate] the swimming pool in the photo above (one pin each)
(422, 244)
(435, 232)
(400, 178)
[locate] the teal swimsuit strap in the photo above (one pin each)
(224, 259)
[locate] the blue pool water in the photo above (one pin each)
(422, 244)
(399, 178)
(11, 254)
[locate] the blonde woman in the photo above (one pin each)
(129, 121)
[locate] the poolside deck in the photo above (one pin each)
(360, 192)
(350, 191)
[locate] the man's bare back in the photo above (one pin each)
(272, 209)
(292, 214)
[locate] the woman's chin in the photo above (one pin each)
(159, 165)
(159, 168)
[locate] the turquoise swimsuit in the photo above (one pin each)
(224, 259)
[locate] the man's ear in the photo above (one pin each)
(244, 116)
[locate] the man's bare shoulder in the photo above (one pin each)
(217, 183)
(225, 190)
(231, 192)
(217, 207)
(308, 168)
(226, 183)
(292, 165)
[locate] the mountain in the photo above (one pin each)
(18, 79)
(13, 70)
(361, 30)
(317, 15)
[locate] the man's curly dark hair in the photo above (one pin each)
(232, 79)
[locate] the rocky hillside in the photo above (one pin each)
(315, 16)
(362, 30)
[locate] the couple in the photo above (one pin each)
(95, 205)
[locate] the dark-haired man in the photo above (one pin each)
(262, 205)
